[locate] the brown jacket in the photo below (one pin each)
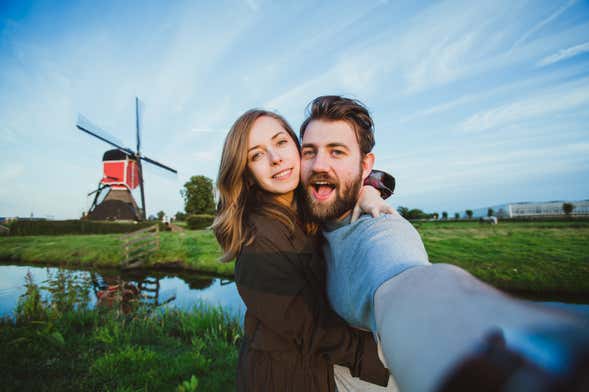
(292, 336)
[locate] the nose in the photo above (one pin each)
(275, 157)
(320, 163)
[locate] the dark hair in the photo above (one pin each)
(336, 108)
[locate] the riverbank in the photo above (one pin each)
(527, 257)
(189, 250)
(64, 346)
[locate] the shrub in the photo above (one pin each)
(199, 222)
(22, 228)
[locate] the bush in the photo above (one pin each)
(21, 228)
(199, 222)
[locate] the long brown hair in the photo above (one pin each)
(239, 196)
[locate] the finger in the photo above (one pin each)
(375, 212)
(355, 213)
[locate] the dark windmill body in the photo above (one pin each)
(122, 172)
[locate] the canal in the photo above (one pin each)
(176, 289)
(157, 288)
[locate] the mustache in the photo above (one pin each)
(322, 177)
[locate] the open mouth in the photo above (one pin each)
(322, 189)
(283, 174)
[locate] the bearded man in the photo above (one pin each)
(440, 327)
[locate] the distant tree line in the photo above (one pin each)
(417, 214)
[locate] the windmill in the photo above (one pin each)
(122, 172)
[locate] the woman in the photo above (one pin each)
(292, 337)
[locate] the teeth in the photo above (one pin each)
(282, 174)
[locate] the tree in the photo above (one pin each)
(198, 195)
(490, 212)
(416, 213)
(456, 216)
(180, 216)
(468, 213)
(160, 215)
(435, 215)
(568, 208)
(403, 211)
(444, 215)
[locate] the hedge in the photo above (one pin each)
(199, 222)
(51, 227)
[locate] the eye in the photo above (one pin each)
(308, 153)
(338, 153)
(282, 142)
(255, 156)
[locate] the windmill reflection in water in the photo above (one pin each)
(113, 291)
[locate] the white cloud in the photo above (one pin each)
(563, 99)
(538, 26)
(564, 54)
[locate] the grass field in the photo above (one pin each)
(527, 256)
(188, 250)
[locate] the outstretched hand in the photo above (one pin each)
(370, 202)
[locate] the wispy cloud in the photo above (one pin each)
(564, 54)
(562, 99)
(538, 26)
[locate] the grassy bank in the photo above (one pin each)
(526, 256)
(523, 256)
(64, 346)
(190, 250)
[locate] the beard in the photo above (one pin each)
(346, 196)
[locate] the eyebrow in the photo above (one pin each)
(272, 138)
(330, 145)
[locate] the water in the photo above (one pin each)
(179, 290)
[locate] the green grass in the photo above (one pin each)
(94, 350)
(527, 256)
(190, 250)
(524, 256)
(58, 344)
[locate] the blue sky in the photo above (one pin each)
(475, 103)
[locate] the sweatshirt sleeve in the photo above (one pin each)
(283, 294)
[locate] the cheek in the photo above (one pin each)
(305, 166)
(256, 171)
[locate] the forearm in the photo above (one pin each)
(429, 318)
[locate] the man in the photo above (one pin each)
(430, 319)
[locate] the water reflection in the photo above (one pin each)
(113, 288)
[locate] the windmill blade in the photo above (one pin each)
(141, 187)
(146, 159)
(138, 117)
(86, 126)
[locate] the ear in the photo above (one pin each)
(367, 164)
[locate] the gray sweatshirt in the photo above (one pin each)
(361, 256)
